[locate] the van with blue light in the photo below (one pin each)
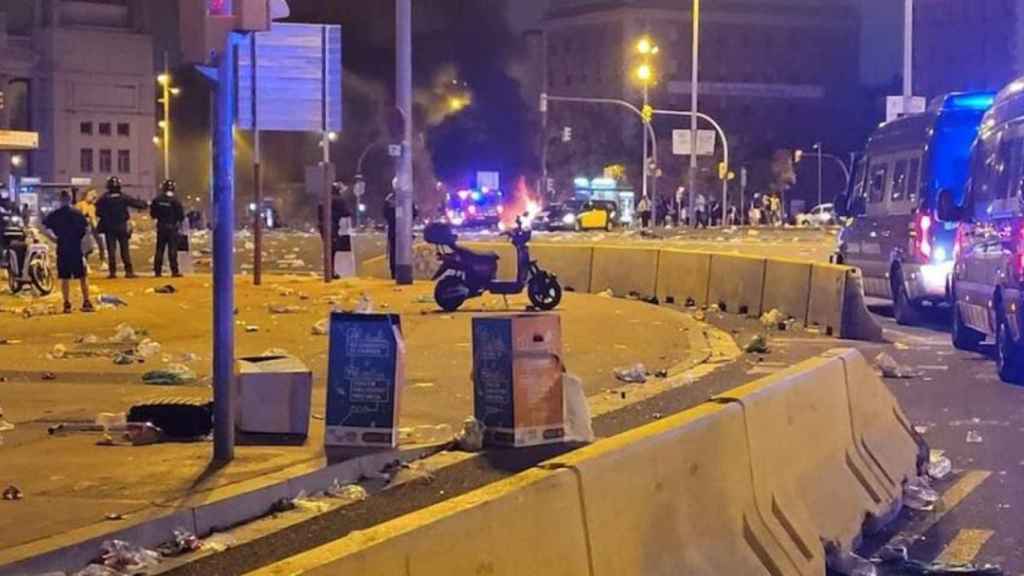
(988, 277)
(474, 208)
(893, 234)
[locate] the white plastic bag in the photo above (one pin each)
(578, 426)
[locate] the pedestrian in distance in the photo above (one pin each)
(700, 210)
(341, 241)
(115, 224)
(643, 208)
(87, 206)
(169, 214)
(67, 227)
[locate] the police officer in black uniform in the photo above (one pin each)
(166, 209)
(115, 225)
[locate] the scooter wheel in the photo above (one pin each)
(12, 278)
(545, 292)
(450, 293)
(41, 277)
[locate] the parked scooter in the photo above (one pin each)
(26, 259)
(466, 274)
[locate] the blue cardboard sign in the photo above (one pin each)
(365, 372)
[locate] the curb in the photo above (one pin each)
(200, 514)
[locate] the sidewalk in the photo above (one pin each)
(70, 483)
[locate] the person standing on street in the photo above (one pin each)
(643, 208)
(87, 206)
(169, 214)
(115, 224)
(339, 211)
(67, 227)
(700, 209)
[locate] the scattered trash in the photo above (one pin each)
(307, 504)
(890, 368)
(252, 328)
(423, 299)
(97, 570)
(974, 437)
(12, 493)
(609, 293)
(921, 429)
(895, 559)
(126, 358)
(426, 434)
(919, 495)
(9, 342)
(39, 310)
(773, 318)
(699, 316)
(661, 374)
(284, 309)
(5, 426)
(636, 374)
(147, 348)
(757, 345)
(114, 516)
(320, 328)
(111, 300)
(165, 289)
(219, 542)
(938, 465)
(275, 352)
(349, 492)
(365, 305)
(128, 558)
(471, 439)
(49, 376)
(847, 563)
(110, 420)
(183, 543)
(87, 339)
(578, 422)
(59, 351)
(123, 333)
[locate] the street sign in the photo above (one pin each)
(897, 106)
(489, 180)
(18, 140)
(81, 181)
(395, 150)
(298, 77)
(705, 142)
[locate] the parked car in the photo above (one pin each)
(903, 251)
(819, 216)
(579, 215)
(988, 275)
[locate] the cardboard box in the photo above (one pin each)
(517, 379)
(365, 377)
(273, 395)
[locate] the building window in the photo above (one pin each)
(104, 128)
(124, 129)
(124, 161)
(85, 128)
(85, 161)
(105, 161)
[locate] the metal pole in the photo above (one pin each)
(821, 159)
(742, 211)
(167, 117)
(325, 142)
(694, 82)
(543, 190)
(908, 53)
(646, 165)
(403, 195)
(223, 258)
(257, 174)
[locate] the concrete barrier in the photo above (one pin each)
(737, 282)
(676, 497)
(573, 264)
(858, 323)
(826, 298)
(810, 478)
(683, 276)
(531, 523)
(787, 287)
(625, 271)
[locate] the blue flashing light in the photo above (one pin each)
(476, 196)
(582, 183)
(970, 101)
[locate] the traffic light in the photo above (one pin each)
(205, 24)
(647, 113)
(723, 171)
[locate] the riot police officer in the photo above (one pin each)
(115, 224)
(166, 209)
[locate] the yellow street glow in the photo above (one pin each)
(644, 72)
(163, 79)
(644, 46)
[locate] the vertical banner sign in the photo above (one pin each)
(365, 375)
(298, 79)
(517, 379)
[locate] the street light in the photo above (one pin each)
(644, 73)
(165, 80)
(646, 48)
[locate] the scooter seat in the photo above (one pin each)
(473, 255)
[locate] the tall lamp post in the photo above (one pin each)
(645, 74)
(694, 81)
(164, 79)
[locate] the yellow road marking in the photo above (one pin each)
(965, 547)
(954, 496)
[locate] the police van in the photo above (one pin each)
(904, 252)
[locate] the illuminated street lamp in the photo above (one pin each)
(165, 80)
(17, 160)
(646, 48)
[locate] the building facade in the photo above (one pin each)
(776, 74)
(964, 45)
(89, 90)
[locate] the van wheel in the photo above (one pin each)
(1008, 355)
(964, 337)
(905, 311)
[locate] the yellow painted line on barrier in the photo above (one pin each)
(965, 546)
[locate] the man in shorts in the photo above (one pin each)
(68, 227)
